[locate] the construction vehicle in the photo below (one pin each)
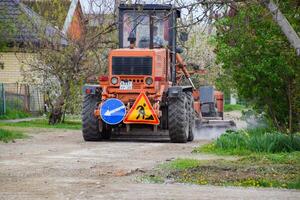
(142, 89)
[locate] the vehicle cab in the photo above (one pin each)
(143, 61)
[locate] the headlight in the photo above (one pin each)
(149, 80)
(114, 80)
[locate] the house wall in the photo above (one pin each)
(75, 30)
(18, 94)
(11, 73)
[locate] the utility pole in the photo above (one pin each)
(284, 24)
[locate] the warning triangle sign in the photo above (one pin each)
(141, 112)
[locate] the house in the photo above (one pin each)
(20, 27)
(74, 26)
(25, 29)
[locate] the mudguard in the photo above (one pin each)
(175, 91)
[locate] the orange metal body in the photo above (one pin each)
(220, 101)
(160, 76)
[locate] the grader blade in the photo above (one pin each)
(229, 124)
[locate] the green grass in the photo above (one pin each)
(266, 158)
(9, 135)
(14, 114)
(278, 170)
(229, 107)
(43, 123)
(181, 164)
(244, 142)
(277, 158)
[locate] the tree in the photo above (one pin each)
(261, 62)
(200, 56)
(60, 68)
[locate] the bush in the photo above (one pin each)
(258, 140)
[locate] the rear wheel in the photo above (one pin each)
(164, 118)
(191, 113)
(178, 119)
(90, 123)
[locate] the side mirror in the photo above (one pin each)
(184, 36)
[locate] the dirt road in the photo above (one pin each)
(59, 165)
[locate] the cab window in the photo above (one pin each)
(139, 25)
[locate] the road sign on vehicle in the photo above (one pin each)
(141, 112)
(113, 111)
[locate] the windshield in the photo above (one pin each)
(139, 25)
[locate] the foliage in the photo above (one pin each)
(8, 135)
(259, 59)
(199, 54)
(43, 123)
(259, 140)
(54, 11)
(7, 29)
(2, 41)
(14, 114)
(230, 107)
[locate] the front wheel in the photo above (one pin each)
(178, 119)
(90, 123)
(191, 113)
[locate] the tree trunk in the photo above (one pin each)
(290, 107)
(56, 113)
(284, 24)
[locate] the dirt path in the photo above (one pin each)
(59, 165)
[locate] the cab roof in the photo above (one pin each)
(148, 7)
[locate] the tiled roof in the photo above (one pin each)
(27, 25)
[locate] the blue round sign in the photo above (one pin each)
(113, 111)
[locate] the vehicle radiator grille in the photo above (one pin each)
(131, 65)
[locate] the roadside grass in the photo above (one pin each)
(43, 123)
(181, 164)
(14, 114)
(245, 142)
(266, 158)
(229, 107)
(10, 135)
(280, 171)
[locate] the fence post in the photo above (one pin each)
(1, 100)
(26, 98)
(4, 99)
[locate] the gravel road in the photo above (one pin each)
(57, 164)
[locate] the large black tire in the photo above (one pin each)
(90, 123)
(164, 118)
(191, 115)
(178, 119)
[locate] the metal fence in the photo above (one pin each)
(15, 96)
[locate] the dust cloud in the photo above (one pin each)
(206, 133)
